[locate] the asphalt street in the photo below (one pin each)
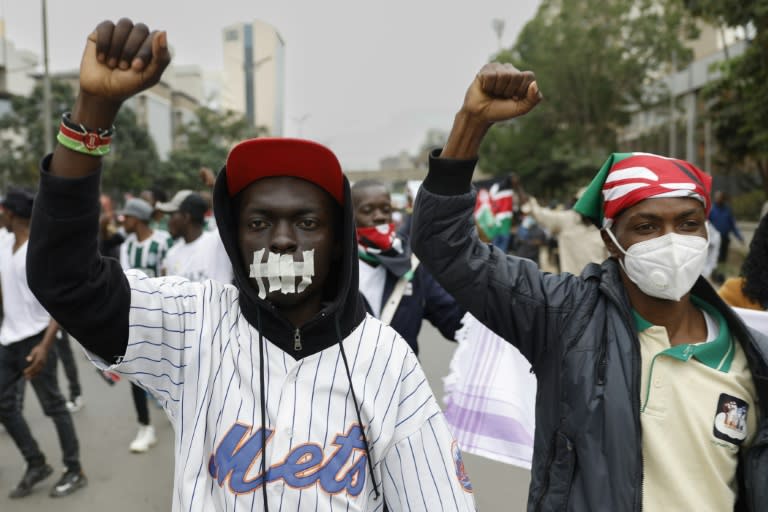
(120, 481)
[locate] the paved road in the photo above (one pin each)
(120, 481)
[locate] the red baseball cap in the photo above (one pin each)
(267, 157)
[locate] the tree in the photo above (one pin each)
(739, 99)
(595, 62)
(131, 165)
(207, 141)
(21, 132)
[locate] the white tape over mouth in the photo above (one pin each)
(281, 271)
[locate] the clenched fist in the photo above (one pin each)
(500, 92)
(122, 59)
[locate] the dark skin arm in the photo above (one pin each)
(499, 92)
(119, 61)
(39, 354)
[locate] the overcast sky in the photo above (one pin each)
(373, 77)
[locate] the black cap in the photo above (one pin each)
(19, 201)
(195, 206)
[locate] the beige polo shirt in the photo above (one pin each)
(697, 409)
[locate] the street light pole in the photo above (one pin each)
(47, 125)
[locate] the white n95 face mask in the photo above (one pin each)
(280, 272)
(665, 267)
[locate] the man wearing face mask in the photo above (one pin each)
(650, 388)
(397, 290)
(283, 394)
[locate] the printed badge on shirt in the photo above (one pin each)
(731, 419)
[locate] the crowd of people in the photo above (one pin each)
(274, 316)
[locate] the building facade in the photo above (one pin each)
(253, 80)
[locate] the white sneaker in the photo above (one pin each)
(145, 438)
(75, 405)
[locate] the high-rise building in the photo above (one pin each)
(254, 74)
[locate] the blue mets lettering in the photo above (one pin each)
(305, 465)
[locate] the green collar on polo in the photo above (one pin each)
(716, 354)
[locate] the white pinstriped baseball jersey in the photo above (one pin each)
(190, 345)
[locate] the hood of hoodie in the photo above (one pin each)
(345, 305)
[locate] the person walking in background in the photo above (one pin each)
(530, 239)
(27, 336)
(397, 290)
(197, 254)
(578, 240)
(750, 289)
(68, 362)
(721, 217)
(144, 249)
(153, 196)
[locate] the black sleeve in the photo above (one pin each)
(510, 295)
(440, 308)
(86, 293)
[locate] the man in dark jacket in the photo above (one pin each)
(648, 382)
(397, 290)
(282, 392)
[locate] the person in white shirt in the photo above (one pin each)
(197, 254)
(144, 249)
(27, 335)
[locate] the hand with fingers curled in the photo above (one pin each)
(500, 92)
(122, 59)
(37, 358)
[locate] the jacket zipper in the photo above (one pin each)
(297, 340)
(550, 460)
(636, 396)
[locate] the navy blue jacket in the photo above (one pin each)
(424, 299)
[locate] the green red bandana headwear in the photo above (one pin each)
(625, 179)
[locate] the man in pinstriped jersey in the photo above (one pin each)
(283, 393)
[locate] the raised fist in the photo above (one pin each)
(122, 59)
(500, 92)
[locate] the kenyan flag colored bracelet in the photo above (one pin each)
(78, 138)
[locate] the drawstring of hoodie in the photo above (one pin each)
(263, 401)
(357, 407)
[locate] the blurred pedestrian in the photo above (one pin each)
(722, 218)
(530, 239)
(750, 289)
(578, 240)
(144, 249)
(27, 336)
(197, 254)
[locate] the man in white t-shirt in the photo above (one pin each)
(27, 334)
(144, 249)
(196, 254)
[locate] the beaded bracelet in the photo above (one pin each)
(78, 138)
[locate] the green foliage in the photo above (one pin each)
(133, 164)
(207, 143)
(747, 206)
(594, 62)
(739, 100)
(130, 166)
(21, 132)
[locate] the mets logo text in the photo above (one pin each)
(304, 466)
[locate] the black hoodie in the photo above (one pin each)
(346, 304)
(90, 296)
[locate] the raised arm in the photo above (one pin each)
(86, 293)
(510, 295)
